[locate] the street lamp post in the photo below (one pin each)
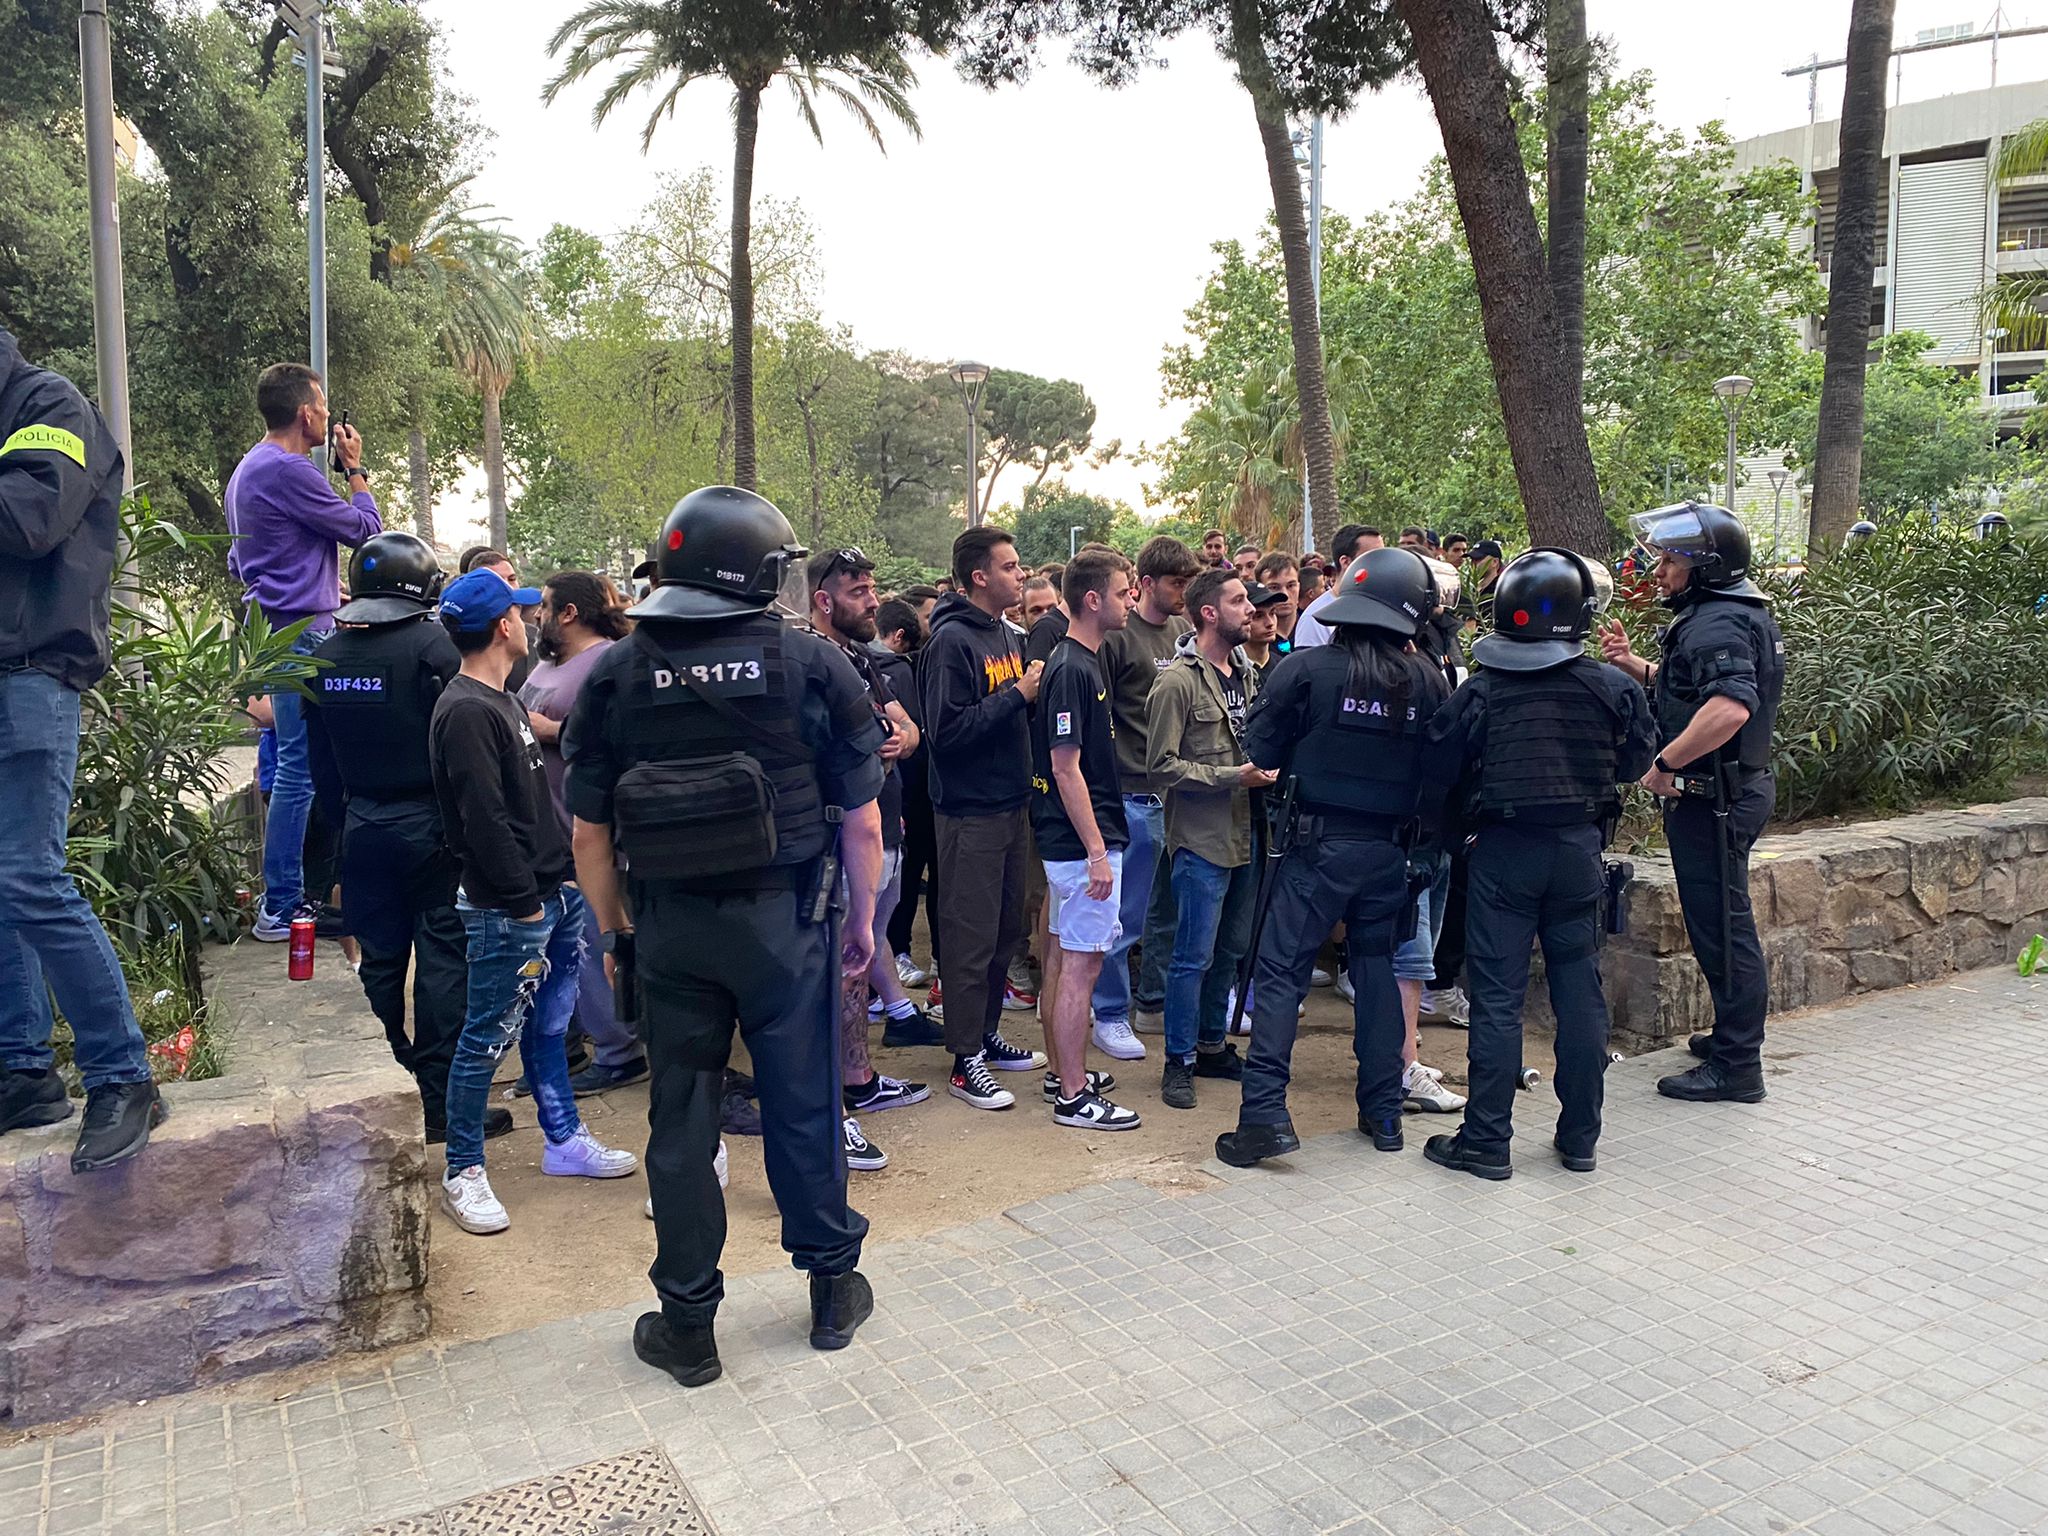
(1778, 479)
(1732, 390)
(971, 377)
(109, 318)
(1073, 538)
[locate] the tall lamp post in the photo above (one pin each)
(1074, 539)
(109, 319)
(1778, 478)
(971, 377)
(1732, 390)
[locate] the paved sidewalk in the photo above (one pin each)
(1826, 1313)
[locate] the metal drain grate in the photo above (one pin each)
(634, 1494)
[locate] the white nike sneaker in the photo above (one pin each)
(1113, 1037)
(470, 1201)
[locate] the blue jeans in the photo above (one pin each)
(50, 939)
(1415, 959)
(517, 971)
(1145, 817)
(291, 801)
(1209, 938)
(612, 1043)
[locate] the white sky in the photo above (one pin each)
(1063, 229)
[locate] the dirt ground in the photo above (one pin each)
(577, 1245)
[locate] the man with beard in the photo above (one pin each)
(1195, 734)
(579, 620)
(843, 606)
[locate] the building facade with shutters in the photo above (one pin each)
(1946, 227)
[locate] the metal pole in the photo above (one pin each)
(974, 459)
(1734, 409)
(109, 317)
(311, 43)
(1073, 535)
(1315, 282)
(1778, 477)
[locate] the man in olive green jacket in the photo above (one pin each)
(1194, 724)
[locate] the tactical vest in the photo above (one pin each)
(376, 699)
(1362, 754)
(1551, 755)
(661, 720)
(1688, 668)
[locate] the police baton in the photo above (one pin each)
(1279, 839)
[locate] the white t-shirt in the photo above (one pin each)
(1310, 630)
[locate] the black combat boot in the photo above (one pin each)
(690, 1355)
(1451, 1152)
(1252, 1144)
(839, 1305)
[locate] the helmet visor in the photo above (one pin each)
(1602, 581)
(1672, 531)
(793, 591)
(1446, 577)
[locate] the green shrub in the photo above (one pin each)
(145, 844)
(1917, 667)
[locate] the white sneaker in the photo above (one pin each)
(470, 1201)
(1344, 988)
(1422, 1088)
(1319, 977)
(908, 973)
(1113, 1037)
(583, 1156)
(1451, 1007)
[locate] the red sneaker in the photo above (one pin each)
(1017, 1001)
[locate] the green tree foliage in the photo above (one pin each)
(1040, 424)
(1685, 282)
(1050, 512)
(213, 237)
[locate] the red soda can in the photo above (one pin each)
(302, 949)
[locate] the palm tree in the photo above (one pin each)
(853, 55)
(2018, 304)
(1246, 450)
(1838, 446)
(473, 276)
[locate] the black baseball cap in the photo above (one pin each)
(1263, 596)
(1484, 549)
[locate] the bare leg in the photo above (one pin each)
(855, 1069)
(1068, 1037)
(1049, 995)
(1411, 1014)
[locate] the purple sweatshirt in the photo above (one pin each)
(286, 520)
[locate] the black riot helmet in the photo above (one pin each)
(723, 553)
(1390, 590)
(1992, 525)
(393, 576)
(1710, 539)
(1543, 608)
(1860, 533)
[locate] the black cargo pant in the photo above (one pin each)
(981, 868)
(1735, 973)
(708, 963)
(1363, 883)
(1527, 885)
(398, 897)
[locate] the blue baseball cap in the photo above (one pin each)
(479, 599)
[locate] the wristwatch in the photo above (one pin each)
(353, 470)
(611, 939)
(1664, 767)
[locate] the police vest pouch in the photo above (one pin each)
(696, 818)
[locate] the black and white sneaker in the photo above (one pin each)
(885, 1092)
(1092, 1112)
(973, 1082)
(1098, 1082)
(862, 1155)
(1005, 1057)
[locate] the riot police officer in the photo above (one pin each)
(1536, 745)
(1345, 723)
(1716, 701)
(367, 733)
(723, 749)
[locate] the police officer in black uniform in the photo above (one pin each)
(1716, 699)
(367, 733)
(1345, 722)
(724, 748)
(1536, 745)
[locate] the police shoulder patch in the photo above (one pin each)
(49, 439)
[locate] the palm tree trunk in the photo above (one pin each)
(1318, 437)
(494, 458)
(1468, 86)
(422, 484)
(746, 128)
(1567, 65)
(1838, 449)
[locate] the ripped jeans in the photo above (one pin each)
(519, 973)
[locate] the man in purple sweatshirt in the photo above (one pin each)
(286, 519)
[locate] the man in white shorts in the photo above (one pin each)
(1077, 818)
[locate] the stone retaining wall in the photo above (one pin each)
(279, 1215)
(1841, 911)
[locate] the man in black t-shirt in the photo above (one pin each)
(523, 918)
(1077, 817)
